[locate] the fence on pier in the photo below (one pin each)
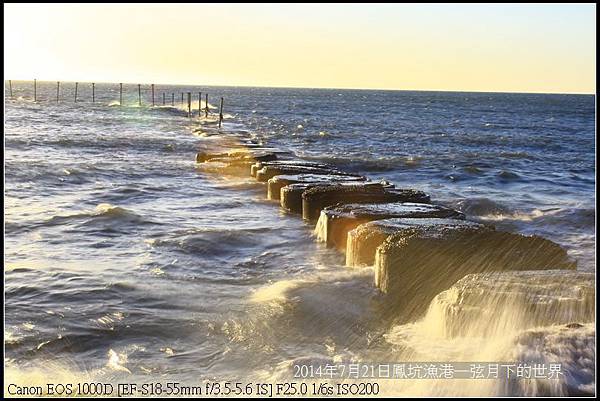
(79, 96)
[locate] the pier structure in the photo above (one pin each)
(417, 248)
(218, 118)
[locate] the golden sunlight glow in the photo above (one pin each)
(522, 48)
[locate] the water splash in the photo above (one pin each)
(506, 317)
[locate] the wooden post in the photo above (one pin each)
(35, 90)
(199, 104)
(189, 104)
(139, 94)
(172, 99)
(163, 98)
(76, 84)
(57, 91)
(121, 94)
(93, 92)
(10, 87)
(152, 95)
(221, 113)
(181, 99)
(206, 105)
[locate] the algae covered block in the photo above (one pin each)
(259, 165)
(486, 304)
(271, 170)
(246, 155)
(335, 221)
(291, 195)
(233, 161)
(316, 198)
(275, 184)
(362, 241)
(422, 259)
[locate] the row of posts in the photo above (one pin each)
(189, 98)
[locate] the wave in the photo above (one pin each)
(486, 209)
(301, 310)
(489, 304)
(276, 292)
(471, 169)
(573, 346)
(518, 317)
(50, 372)
(282, 290)
(528, 317)
(507, 175)
(482, 207)
(518, 155)
(66, 371)
(105, 213)
(577, 217)
(213, 241)
(171, 110)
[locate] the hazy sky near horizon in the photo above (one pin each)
(467, 47)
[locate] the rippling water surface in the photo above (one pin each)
(124, 261)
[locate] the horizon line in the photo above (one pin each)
(318, 88)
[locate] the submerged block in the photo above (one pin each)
(227, 166)
(202, 157)
(259, 165)
(237, 159)
(239, 155)
(422, 259)
(234, 161)
(335, 221)
(291, 195)
(316, 198)
(275, 184)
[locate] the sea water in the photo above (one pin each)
(125, 262)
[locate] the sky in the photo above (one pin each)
(548, 48)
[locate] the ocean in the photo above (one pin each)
(127, 262)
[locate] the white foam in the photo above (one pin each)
(510, 317)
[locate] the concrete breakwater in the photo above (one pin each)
(418, 248)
